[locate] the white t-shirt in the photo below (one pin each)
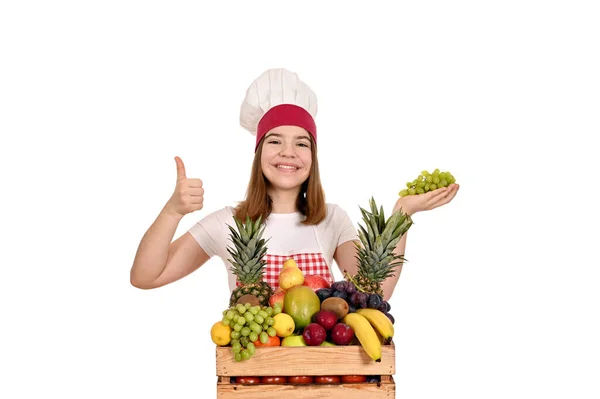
(287, 235)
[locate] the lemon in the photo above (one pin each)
(220, 334)
(284, 325)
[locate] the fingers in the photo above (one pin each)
(180, 169)
(195, 183)
(448, 196)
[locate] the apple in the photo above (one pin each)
(326, 318)
(342, 334)
(315, 282)
(293, 340)
(314, 334)
(277, 297)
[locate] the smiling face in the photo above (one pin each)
(286, 157)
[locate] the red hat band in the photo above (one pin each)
(282, 115)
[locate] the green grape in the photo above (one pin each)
(241, 321)
(244, 341)
(241, 308)
(254, 310)
(271, 332)
(251, 348)
(264, 337)
(238, 357)
(245, 354)
(236, 348)
(259, 319)
(263, 314)
(224, 312)
(234, 341)
(269, 311)
(277, 310)
(427, 182)
(255, 327)
(249, 316)
(230, 314)
(235, 334)
(270, 321)
(237, 327)
(253, 336)
(247, 305)
(265, 326)
(246, 331)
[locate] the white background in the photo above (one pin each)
(500, 296)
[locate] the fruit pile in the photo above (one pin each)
(426, 182)
(306, 310)
(337, 314)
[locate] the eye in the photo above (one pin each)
(303, 145)
(273, 141)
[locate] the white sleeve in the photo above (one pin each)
(210, 231)
(345, 227)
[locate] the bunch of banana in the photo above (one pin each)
(368, 325)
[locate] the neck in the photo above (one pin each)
(283, 201)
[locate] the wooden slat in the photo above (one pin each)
(343, 391)
(307, 360)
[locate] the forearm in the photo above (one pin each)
(390, 283)
(153, 251)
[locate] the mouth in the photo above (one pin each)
(286, 167)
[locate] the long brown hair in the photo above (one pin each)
(310, 201)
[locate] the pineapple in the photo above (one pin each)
(376, 258)
(248, 263)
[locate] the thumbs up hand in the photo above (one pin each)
(188, 195)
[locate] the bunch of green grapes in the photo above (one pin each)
(248, 325)
(426, 182)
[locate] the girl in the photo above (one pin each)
(284, 189)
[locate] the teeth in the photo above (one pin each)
(286, 167)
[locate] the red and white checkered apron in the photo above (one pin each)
(308, 263)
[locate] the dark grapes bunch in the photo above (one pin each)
(356, 299)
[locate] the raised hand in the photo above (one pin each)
(412, 204)
(188, 195)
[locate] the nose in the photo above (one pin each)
(287, 150)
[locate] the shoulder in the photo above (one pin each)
(335, 214)
(218, 217)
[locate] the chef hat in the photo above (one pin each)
(277, 98)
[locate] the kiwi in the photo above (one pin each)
(248, 298)
(336, 305)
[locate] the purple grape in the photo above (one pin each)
(383, 307)
(389, 307)
(389, 316)
(340, 294)
(339, 286)
(324, 293)
(354, 298)
(350, 288)
(374, 301)
(351, 309)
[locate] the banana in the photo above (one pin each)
(379, 321)
(365, 334)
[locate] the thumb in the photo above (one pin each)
(180, 169)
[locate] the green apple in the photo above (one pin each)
(325, 343)
(293, 340)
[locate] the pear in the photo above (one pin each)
(290, 277)
(289, 263)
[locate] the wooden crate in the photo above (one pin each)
(307, 360)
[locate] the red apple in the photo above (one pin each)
(342, 334)
(277, 297)
(314, 334)
(315, 282)
(326, 318)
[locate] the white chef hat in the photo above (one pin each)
(276, 98)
